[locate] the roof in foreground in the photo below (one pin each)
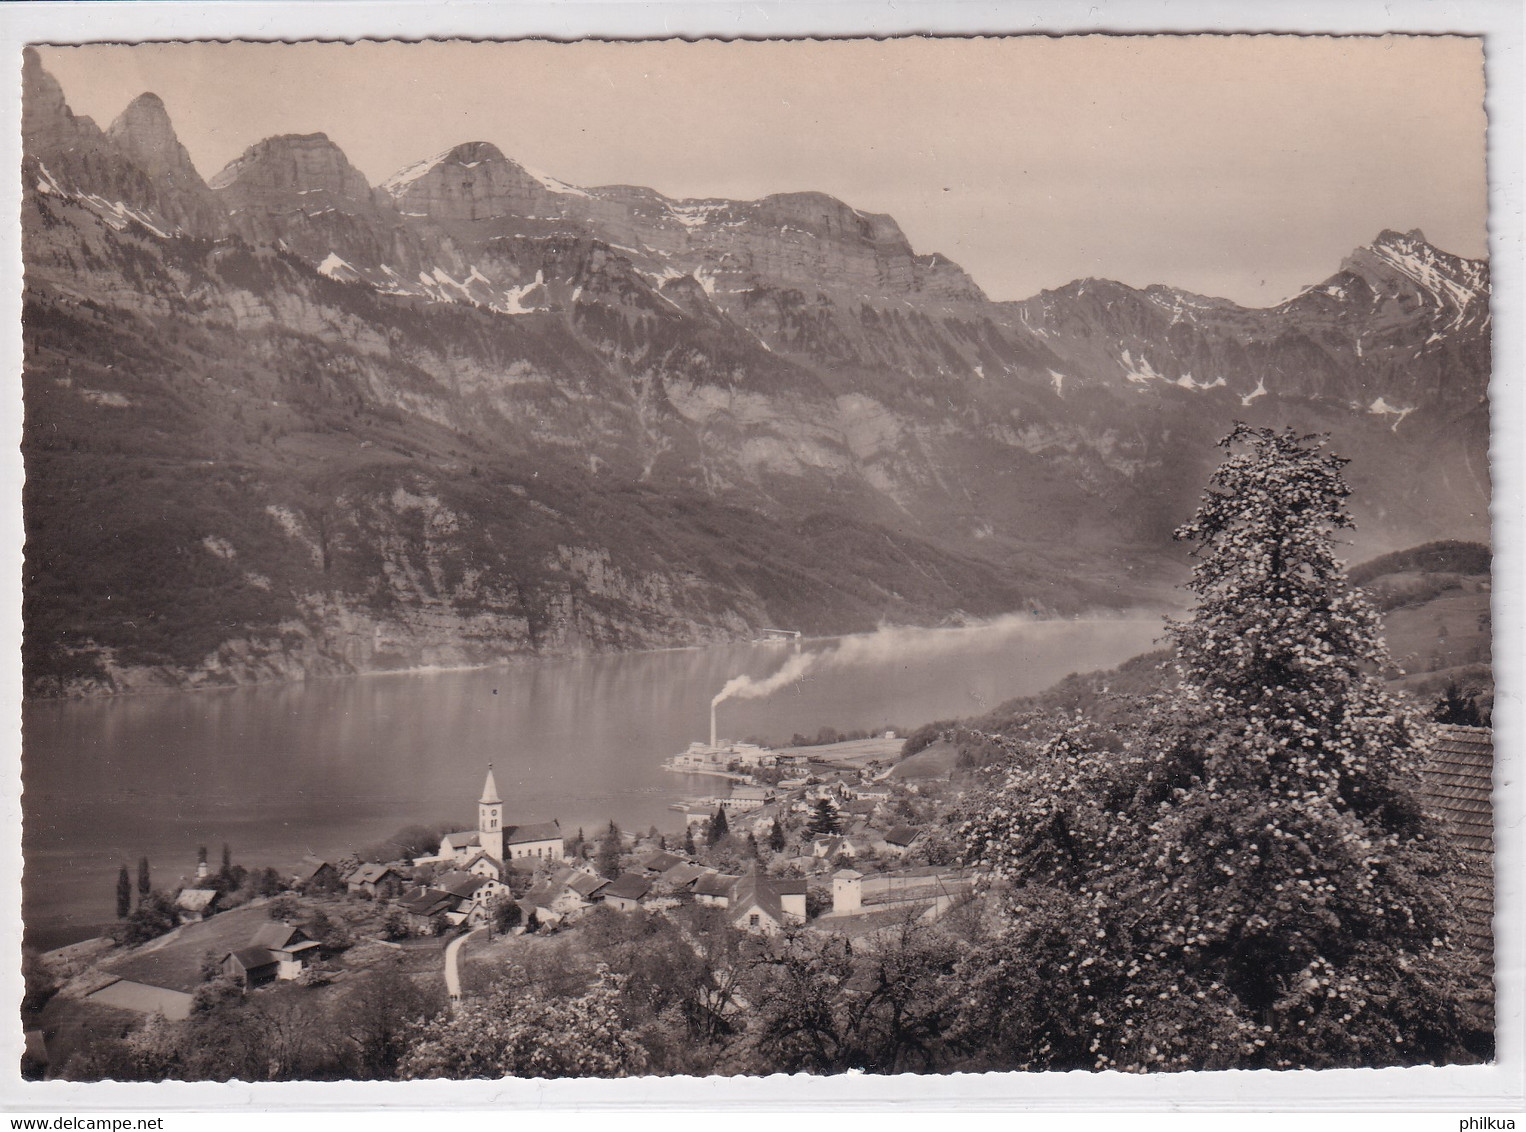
(1458, 787)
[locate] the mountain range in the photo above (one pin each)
(284, 423)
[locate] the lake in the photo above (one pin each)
(334, 765)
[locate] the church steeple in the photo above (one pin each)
(490, 790)
(490, 817)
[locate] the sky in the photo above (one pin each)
(1245, 167)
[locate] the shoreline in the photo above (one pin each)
(1002, 621)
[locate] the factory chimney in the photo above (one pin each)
(712, 725)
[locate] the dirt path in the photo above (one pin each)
(452, 972)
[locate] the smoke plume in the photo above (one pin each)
(746, 688)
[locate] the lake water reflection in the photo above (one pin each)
(333, 765)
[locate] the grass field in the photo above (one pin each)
(853, 754)
(936, 761)
(174, 960)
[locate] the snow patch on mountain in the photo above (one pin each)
(549, 182)
(405, 177)
(1141, 372)
(336, 268)
(1259, 391)
(1382, 408)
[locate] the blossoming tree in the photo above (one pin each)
(1244, 878)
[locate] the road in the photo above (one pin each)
(452, 973)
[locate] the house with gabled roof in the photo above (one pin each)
(681, 877)
(315, 874)
(659, 861)
(766, 906)
(485, 865)
(565, 894)
(714, 889)
(421, 905)
(193, 904)
(626, 892)
(250, 966)
(278, 951)
(370, 877)
(900, 839)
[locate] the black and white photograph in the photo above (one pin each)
(704, 557)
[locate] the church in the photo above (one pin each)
(492, 846)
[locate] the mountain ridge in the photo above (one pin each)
(481, 413)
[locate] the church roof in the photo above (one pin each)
(489, 790)
(540, 831)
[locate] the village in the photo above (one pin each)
(853, 846)
(840, 839)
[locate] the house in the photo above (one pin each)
(421, 905)
(565, 894)
(745, 798)
(586, 884)
(291, 947)
(765, 906)
(471, 892)
(250, 966)
(371, 878)
(901, 839)
(660, 862)
(826, 846)
(313, 874)
(195, 904)
(1457, 788)
(681, 877)
(457, 847)
(714, 889)
(626, 892)
(859, 807)
(869, 792)
(485, 865)
(792, 892)
(277, 951)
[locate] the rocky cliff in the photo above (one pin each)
(288, 423)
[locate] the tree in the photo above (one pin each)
(608, 859)
(518, 1031)
(124, 893)
(380, 1012)
(154, 915)
(1455, 708)
(720, 829)
(284, 908)
(145, 885)
(505, 912)
(689, 846)
(1246, 878)
(776, 837)
(824, 820)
